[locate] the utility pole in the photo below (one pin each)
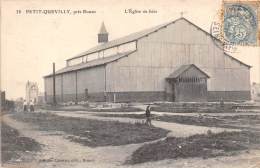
(76, 88)
(54, 90)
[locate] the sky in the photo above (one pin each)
(30, 43)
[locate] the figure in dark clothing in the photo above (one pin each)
(31, 106)
(148, 115)
(24, 106)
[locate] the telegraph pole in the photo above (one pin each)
(54, 90)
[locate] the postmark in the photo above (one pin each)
(216, 30)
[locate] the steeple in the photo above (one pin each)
(103, 34)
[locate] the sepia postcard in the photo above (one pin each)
(130, 84)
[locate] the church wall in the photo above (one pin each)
(161, 53)
(72, 86)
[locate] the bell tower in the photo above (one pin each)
(103, 34)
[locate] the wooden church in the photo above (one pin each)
(175, 61)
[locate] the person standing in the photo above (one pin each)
(24, 105)
(31, 106)
(148, 115)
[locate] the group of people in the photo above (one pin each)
(28, 106)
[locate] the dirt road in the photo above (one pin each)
(59, 152)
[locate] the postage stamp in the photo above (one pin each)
(237, 23)
(240, 23)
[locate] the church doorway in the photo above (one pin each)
(187, 84)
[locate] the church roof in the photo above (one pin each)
(122, 40)
(137, 35)
(103, 29)
(183, 69)
(91, 64)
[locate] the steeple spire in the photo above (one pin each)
(103, 29)
(103, 34)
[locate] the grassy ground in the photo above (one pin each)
(203, 107)
(210, 145)
(13, 145)
(122, 109)
(215, 121)
(194, 107)
(86, 108)
(92, 132)
(136, 116)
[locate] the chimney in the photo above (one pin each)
(103, 34)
